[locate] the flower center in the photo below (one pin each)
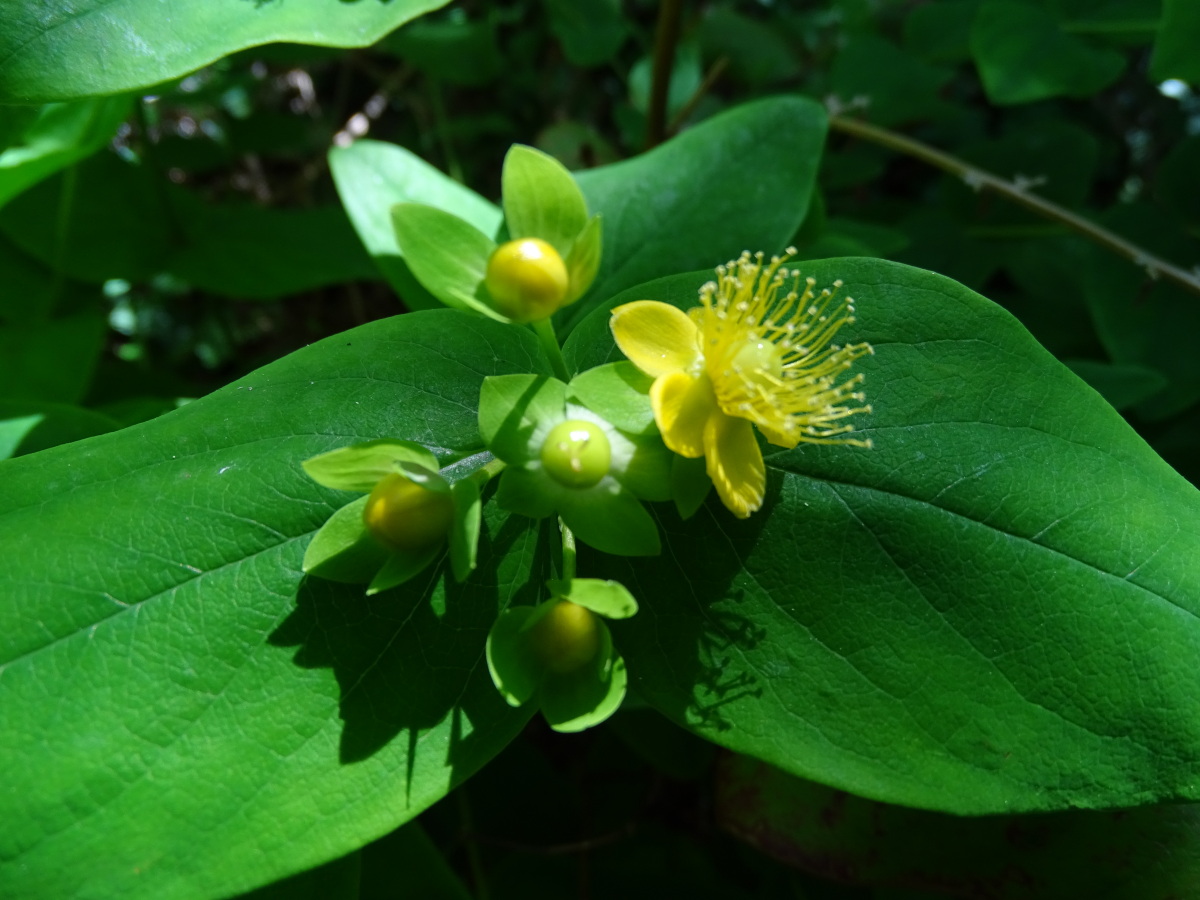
(576, 453)
(403, 515)
(759, 362)
(566, 638)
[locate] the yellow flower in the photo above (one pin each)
(759, 349)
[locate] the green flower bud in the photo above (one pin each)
(576, 453)
(406, 516)
(527, 279)
(566, 638)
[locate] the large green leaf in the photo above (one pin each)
(1151, 853)
(50, 360)
(996, 609)
(128, 221)
(739, 180)
(185, 715)
(53, 51)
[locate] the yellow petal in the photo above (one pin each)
(735, 463)
(657, 337)
(682, 405)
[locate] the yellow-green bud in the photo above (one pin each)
(566, 638)
(576, 453)
(403, 515)
(527, 279)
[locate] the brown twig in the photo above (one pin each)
(665, 41)
(714, 74)
(1017, 190)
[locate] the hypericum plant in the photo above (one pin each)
(591, 450)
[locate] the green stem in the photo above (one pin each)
(545, 333)
(66, 202)
(487, 472)
(568, 539)
(980, 179)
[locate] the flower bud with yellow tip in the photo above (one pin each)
(406, 516)
(527, 280)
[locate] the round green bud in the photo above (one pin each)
(566, 638)
(576, 453)
(403, 515)
(527, 279)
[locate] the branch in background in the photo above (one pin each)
(714, 74)
(665, 41)
(1017, 190)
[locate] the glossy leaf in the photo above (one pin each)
(372, 177)
(55, 51)
(942, 621)
(673, 209)
(157, 636)
(619, 392)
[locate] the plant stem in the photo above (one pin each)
(568, 539)
(666, 37)
(1018, 193)
(474, 858)
(713, 75)
(487, 471)
(545, 332)
(62, 226)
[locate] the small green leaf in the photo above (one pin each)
(425, 476)
(58, 135)
(343, 550)
(602, 596)
(583, 699)
(897, 86)
(515, 671)
(464, 532)
(583, 262)
(402, 566)
(1023, 55)
(448, 256)
(690, 484)
(1175, 54)
(611, 522)
(360, 467)
(648, 472)
(541, 199)
(618, 392)
(525, 493)
(591, 31)
(514, 410)
(372, 177)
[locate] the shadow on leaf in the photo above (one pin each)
(408, 659)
